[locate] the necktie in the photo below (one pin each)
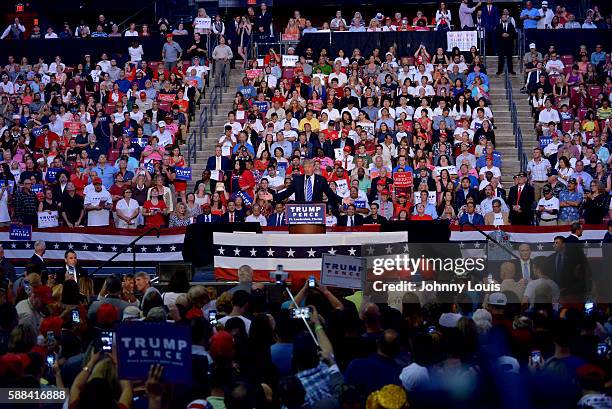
(525, 270)
(218, 164)
(351, 221)
(518, 197)
(505, 27)
(231, 217)
(309, 189)
(208, 219)
(471, 217)
(489, 9)
(278, 222)
(559, 263)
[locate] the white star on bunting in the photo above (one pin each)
(389, 249)
(85, 246)
(311, 253)
(270, 252)
(172, 248)
(290, 253)
(332, 251)
(253, 252)
(352, 251)
(56, 246)
(158, 248)
(370, 250)
(143, 249)
(114, 248)
(221, 251)
(236, 251)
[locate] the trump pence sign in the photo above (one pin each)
(141, 344)
(306, 213)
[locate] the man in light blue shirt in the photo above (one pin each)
(530, 16)
(105, 171)
(246, 89)
(598, 55)
(430, 209)
(282, 143)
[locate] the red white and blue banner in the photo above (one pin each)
(261, 251)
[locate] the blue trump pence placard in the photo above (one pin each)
(142, 344)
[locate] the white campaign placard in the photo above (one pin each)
(339, 153)
(451, 170)
(48, 219)
(202, 23)
(290, 60)
(431, 197)
(342, 271)
(462, 39)
(343, 187)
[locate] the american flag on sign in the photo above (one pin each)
(299, 254)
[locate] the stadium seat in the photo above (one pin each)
(567, 59)
(113, 155)
(582, 113)
(552, 79)
(566, 125)
(110, 108)
(595, 90)
(288, 73)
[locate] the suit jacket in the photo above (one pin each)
(518, 270)
(272, 219)
(477, 219)
(237, 218)
(211, 163)
(161, 114)
(343, 220)
(320, 186)
(214, 219)
(525, 202)
(38, 262)
(500, 192)
(489, 218)
(572, 239)
(461, 197)
(62, 272)
(489, 20)
(348, 142)
(505, 43)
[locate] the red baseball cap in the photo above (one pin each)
(44, 293)
(347, 148)
(384, 192)
(96, 180)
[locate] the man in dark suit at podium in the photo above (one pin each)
(308, 187)
(277, 219)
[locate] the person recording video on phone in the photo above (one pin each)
(71, 270)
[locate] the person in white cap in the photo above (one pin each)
(164, 135)
(533, 51)
(546, 16)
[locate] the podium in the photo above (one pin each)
(306, 229)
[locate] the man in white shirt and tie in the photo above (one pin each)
(277, 219)
(256, 216)
(206, 216)
(524, 265)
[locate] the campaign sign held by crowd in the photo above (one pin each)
(248, 200)
(142, 344)
(342, 271)
(37, 188)
(307, 213)
(20, 232)
(48, 219)
(142, 142)
(402, 179)
(9, 183)
(52, 174)
(183, 173)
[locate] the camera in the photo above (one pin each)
(50, 360)
(299, 313)
(76, 316)
(106, 340)
(279, 275)
(311, 282)
(212, 317)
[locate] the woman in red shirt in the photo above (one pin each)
(178, 160)
(246, 180)
(79, 179)
(155, 210)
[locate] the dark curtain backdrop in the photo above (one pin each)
(568, 41)
(407, 42)
(72, 50)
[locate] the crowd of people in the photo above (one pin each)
(251, 349)
(570, 100)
